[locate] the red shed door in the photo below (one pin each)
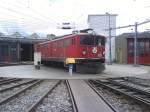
(143, 51)
(130, 51)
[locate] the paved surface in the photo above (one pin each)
(115, 70)
(86, 99)
(28, 71)
(118, 70)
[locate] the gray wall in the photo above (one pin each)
(100, 23)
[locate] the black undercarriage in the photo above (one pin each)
(92, 66)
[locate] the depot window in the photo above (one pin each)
(131, 48)
(143, 48)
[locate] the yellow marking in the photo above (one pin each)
(70, 61)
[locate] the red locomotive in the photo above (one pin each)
(87, 49)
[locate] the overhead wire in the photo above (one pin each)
(26, 15)
(20, 1)
(14, 11)
(23, 23)
(31, 9)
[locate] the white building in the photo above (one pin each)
(100, 23)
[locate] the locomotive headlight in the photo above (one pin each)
(84, 52)
(104, 53)
(94, 50)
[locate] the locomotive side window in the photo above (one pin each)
(60, 44)
(55, 45)
(73, 41)
(91, 40)
(66, 42)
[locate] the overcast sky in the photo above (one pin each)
(45, 15)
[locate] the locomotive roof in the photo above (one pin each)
(66, 36)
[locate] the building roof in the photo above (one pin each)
(21, 40)
(2, 34)
(131, 35)
(16, 35)
(34, 36)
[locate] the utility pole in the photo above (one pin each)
(109, 31)
(135, 45)
(110, 58)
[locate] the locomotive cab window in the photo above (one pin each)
(99, 40)
(92, 40)
(87, 40)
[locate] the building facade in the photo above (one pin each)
(17, 49)
(125, 48)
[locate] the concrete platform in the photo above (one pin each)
(115, 70)
(86, 99)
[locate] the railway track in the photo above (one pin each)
(3, 78)
(49, 94)
(6, 81)
(15, 85)
(135, 82)
(129, 92)
(34, 106)
(39, 96)
(5, 97)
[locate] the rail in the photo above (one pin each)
(75, 109)
(5, 89)
(90, 83)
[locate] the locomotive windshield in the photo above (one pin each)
(92, 40)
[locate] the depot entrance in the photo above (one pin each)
(27, 51)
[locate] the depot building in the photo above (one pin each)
(13, 49)
(125, 48)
